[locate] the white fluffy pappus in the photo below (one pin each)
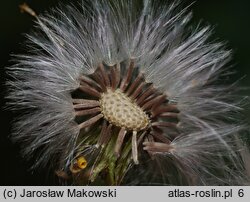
(148, 55)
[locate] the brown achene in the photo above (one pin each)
(118, 96)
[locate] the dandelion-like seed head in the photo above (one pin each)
(117, 94)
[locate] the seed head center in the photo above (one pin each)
(120, 110)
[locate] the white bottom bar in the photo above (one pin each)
(125, 193)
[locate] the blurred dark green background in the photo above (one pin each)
(231, 19)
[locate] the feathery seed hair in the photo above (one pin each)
(118, 94)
